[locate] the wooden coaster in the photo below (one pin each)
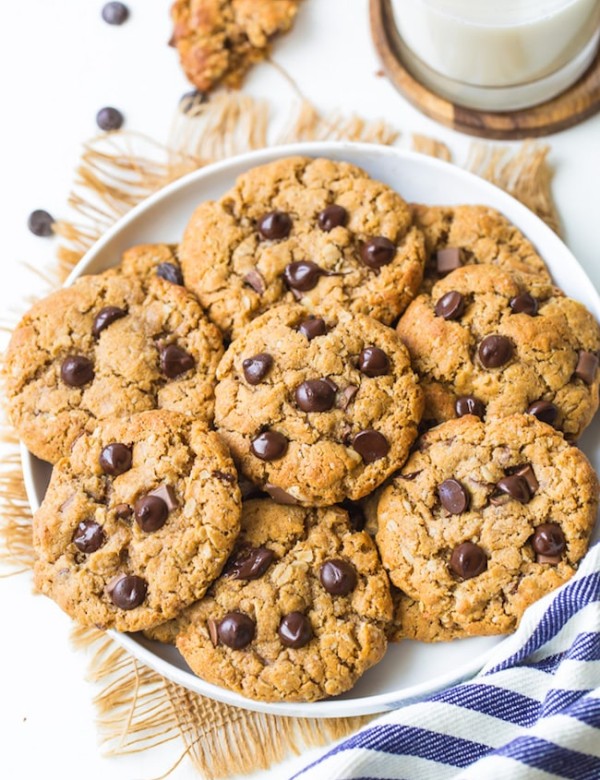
(568, 109)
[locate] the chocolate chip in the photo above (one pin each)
(115, 13)
(279, 495)
(257, 367)
(167, 494)
(115, 459)
(450, 306)
(377, 252)
(76, 371)
(250, 564)
(315, 395)
(123, 511)
(331, 217)
(549, 540)
(524, 304)
(516, 487)
(302, 275)
(269, 445)
(170, 273)
(41, 223)
(275, 225)
(255, 279)
(586, 367)
(495, 351)
(448, 259)
(356, 516)
(106, 317)
(236, 630)
(190, 101)
(338, 577)
(312, 327)
(331, 384)
(295, 630)
(128, 592)
(544, 411)
(151, 513)
(527, 473)
(468, 560)
(371, 445)
(373, 361)
(89, 536)
(453, 496)
(213, 631)
(223, 476)
(109, 118)
(467, 404)
(175, 361)
(347, 396)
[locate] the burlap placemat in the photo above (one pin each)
(137, 708)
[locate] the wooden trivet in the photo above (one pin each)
(568, 109)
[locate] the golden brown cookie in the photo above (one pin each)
(313, 230)
(483, 520)
(316, 410)
(137, 521)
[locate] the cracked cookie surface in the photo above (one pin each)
(137, 522)
(316, 410)
(483, 520)
(509, 346)
(317, 608)
(123, 341)
(314, 230)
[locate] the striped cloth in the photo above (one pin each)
(533, 712)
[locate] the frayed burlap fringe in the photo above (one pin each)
(137, 708)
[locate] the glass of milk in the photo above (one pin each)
(498, 55)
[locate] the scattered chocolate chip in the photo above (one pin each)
(373, 361)
(115, 13)
(279, 495)
(106, 317)
(295, 630)
(248, 489)
(524, 304)
(467, 404)
(315, 395)
(549, 540)
(371, 445)
(40, 223)
(338, 577)
(123, 511)
(189, 102)
(115, 459)
(527, 473)
(236, 630)
(223, 476)
(151, 513)
(586, 367)
(356, 516)
(128, 592)
(89, 536)
(170, 273)
(377, 252)
(250, 563)
(468, 560)
(257, 367)
(302, 275)
(495, 351)
(269, 445)
(450, 306)
(167, 494)
(175, 361)
(448, 259)
(256, 280)
(453, 496)
(76, 371)
(312, 327)
(516, 487)
(275, 225)
(109, 118)
(331, 217)
(545, 411)
(347, 396)
(213, 631)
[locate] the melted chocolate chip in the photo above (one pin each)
(170, 273)
(527, 473)
(448, 259)
(302, 275)
(167, 494)
(175, 361)
(467, 404)
(236, 630)
(295, 630)
(347, 396)
(109, 118)
(468, 560)
(453, 496)
(524, 304)
(450, 306)
(41, 223)
(89, 536)
(516, 487)
(544, 411)
(115, 459)
(315, 395)
(106, 317)
(495, 351)
(373, 361)
(312, 327)
(250, 564)
(275, 225)
(371, 445)
(151, 513)
(377, 252)
(257, 367)
(123, 511)
(128, 592)
(76, 371)
(269, 445)
(331, 217)
(549, 540)
(256, 280)
(338, 577)
(279, 495)
(587, 365)
(115, 13)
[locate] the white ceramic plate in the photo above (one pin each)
(410, 670)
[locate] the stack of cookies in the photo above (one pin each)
(324, 421)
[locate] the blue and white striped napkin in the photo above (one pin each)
(532, 712)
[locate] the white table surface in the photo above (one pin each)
(60, 64)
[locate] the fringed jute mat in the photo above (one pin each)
(137, 708)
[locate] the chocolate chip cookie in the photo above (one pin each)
(483, 520)
(317, 409)
(318, 231)
(487, 343)
(137, 521)
(299, 612)
(124, 341)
